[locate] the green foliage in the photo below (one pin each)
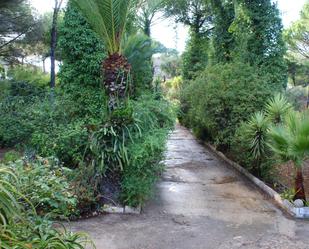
(195, 58)
(277, 108)
(44, 183)
(15, 114)
(297, 96)
(108, 19)
(20, 228)
(288, 194)
(297, 36)
(171, 64)
(257, 30)
(223, 41)
(11, 156)
(128, 146)
(250, 145)
(82, 51)
(139, 50)
(65, 141)
(31, 75)
(217, 102)
(290, 140)
(143, 169)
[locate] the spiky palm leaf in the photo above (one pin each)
(291, 140)
(277, 108)
(256, 131)
(108, 19)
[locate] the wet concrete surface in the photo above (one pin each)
(200, 203)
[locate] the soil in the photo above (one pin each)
(200, 203)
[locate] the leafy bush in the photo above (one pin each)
(250, 145)
(29, 74)
(44, 183)
(82, 51)
(24, 229)
(217, 102)
(143, 168)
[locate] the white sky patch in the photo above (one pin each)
(165, 32)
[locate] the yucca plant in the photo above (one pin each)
(290, 141)
(256, 134)
(277, 108)
(108, 19)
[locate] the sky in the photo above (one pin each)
(166, 33)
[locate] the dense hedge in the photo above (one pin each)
(223, 96)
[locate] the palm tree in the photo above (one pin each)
(290, 141)
(108, 19)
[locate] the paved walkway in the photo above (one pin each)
(200, 204)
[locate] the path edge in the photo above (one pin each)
(275, 196)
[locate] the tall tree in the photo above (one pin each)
(197, 15)
(108, 19)
(53, 43)
(297, 36)
(148, 14)
(222, 39)
(258, 33)
(17, 21)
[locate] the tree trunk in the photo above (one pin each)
(53, 45)
(299, 186)
(308, 99)
(116, 70)
(44, 67)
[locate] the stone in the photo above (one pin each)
(113, 209)
(131, 210)
(299, 203)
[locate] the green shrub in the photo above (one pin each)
(29, 74)
(44, 183)
(217, 102)
(143, 168)
(82, 51)
(11, 156)
(250, 145)
(21, 228)
(65, 141)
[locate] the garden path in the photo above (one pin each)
(200, 203)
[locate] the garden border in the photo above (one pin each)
(300, 213)
(109, 209)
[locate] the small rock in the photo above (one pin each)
(131, 210)
(299, 203)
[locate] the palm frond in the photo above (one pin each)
(280, 142)
(108, 19)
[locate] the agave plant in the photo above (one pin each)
(108, 19)
(290, 141)
(277, 108)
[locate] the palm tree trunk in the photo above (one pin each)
(116, 70)
(299, 186)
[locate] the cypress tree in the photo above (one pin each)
(258, 32)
